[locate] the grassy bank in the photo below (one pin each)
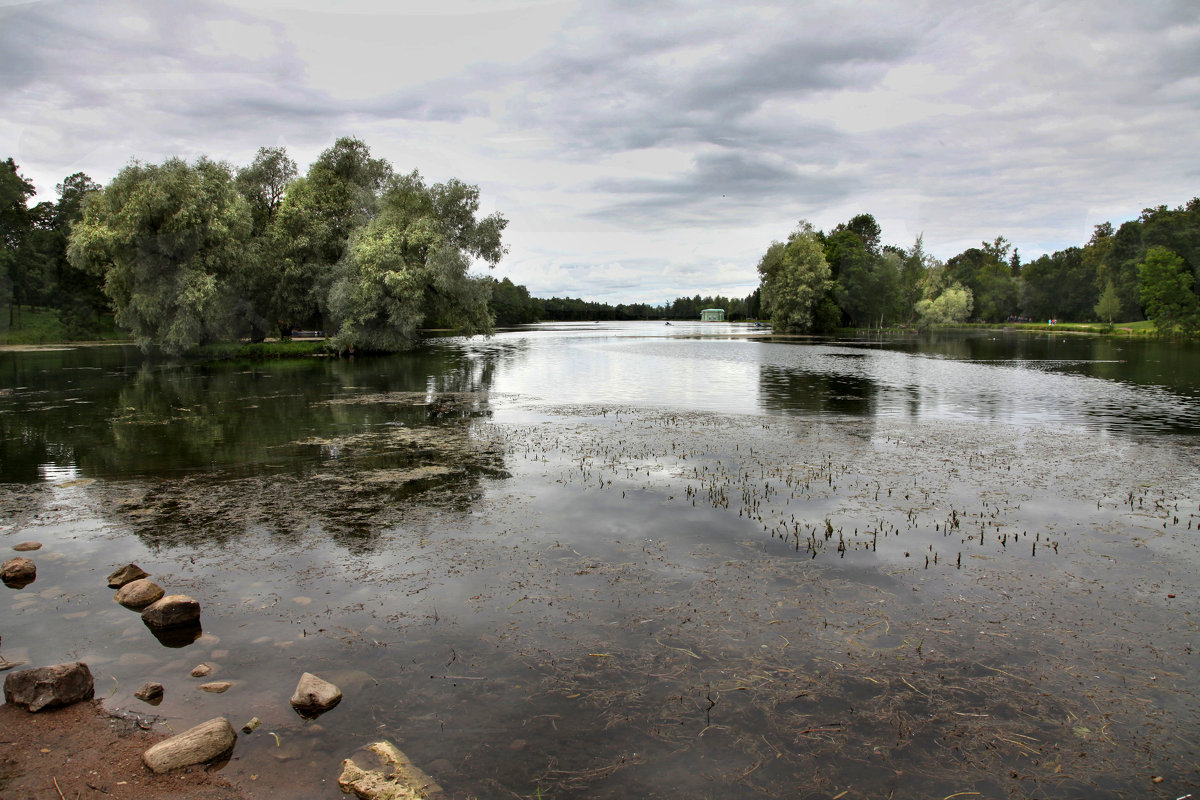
(45, 326)
(257, 351)
(1141, 328)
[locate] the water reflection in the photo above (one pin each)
(1001, 379)
(791, 391)
(198, 454)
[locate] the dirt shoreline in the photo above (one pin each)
(84, 751)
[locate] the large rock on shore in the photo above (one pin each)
(208, 741)
(48, 687)
(381, 771)
(314, 696)
(139, 594)
(172, 611)
(126, 574)
(17, 573)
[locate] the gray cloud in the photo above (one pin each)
(684, 124)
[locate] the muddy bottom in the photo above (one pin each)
(593, 601)
(82, 751)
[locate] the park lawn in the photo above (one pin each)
(43, 326)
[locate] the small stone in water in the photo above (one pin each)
(201, 671)
(216, 687)
(151, 692)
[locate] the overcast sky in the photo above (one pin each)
(643, 151)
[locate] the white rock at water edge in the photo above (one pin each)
(206, 742)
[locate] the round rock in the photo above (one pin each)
(139, 594)
(18, 573)
(172, 611)
(151, 692)
(201, 671)
(125, 574)
(25, 547)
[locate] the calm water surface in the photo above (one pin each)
(640, 560)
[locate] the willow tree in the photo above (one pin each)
(794, 277)
(169, 240)
(409, 267)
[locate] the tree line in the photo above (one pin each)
(512, 305)
(187, 253)
(1148, 268)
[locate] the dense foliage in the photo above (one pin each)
(193, 253)
(188, 253)
(1146, 269)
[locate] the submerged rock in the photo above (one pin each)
(48, 687)
(179, 636)
(380, 771)
(201, 671)
(126, 574)
(208, 741)
(172, 611)
(151, 692)
(314, 696)
(25, 547)
(216, 687)
(17, 573)
(139, 594)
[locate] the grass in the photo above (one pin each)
(44, 326)
(1140, 328)
(256, 351)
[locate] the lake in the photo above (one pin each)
(639, 560)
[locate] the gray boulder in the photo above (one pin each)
(208, 741)
(48, 687)
(314, 696)
(126, 574)
(139, 594)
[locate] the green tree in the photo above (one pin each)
(310, 231)
(78, 295)
(1059, 286)
(912, 279)
(16, 227)
(1117, 257)
(1108, 307)
(409, 266)
(168, 238)
(1166, 290)
(264, 184)
(868, 284)
(987, 273)
(951, 306)
(794, 276)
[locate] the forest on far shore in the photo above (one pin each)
(188, 253)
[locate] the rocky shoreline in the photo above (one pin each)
(50, 731)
